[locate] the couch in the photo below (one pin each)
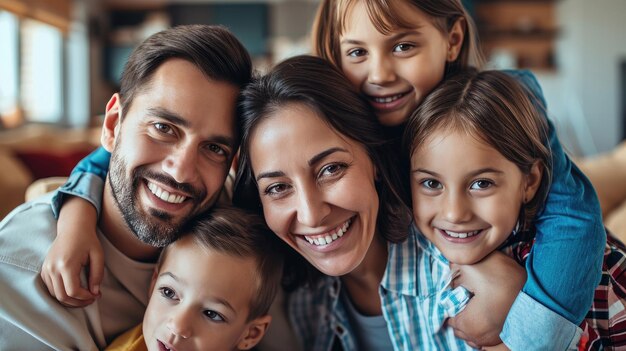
(34, 152)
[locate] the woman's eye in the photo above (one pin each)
(481, 184)
(403, 47)
(356, 52)
(276, 189)
(431, 184)
(163, 128)
(214, 316)
(168, 293)
(332, 169)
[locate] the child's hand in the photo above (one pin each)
(75, 247)
(495, 282)
(499, 347)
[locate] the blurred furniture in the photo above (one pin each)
(607, 173)
(35, 152)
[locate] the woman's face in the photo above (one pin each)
(316, 187)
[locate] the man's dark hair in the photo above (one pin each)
(213, 49)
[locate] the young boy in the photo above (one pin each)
(212, 288)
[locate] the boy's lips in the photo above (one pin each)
(460, 236)
(165, 347)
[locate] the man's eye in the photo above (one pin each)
(216, 149)
(214, 316)
(163, 128)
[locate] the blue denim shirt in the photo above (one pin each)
(564, 266)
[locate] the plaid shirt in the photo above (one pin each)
(416, 299)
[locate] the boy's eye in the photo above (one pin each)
(481, 184)
(214, 316)
(168, 293)
(403, 47)
(163, 128)
(431, 184)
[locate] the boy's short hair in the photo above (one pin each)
(235, 232)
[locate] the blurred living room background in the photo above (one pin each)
(60, 61)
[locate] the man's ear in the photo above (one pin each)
(254, 332)
(533, 180)
(112, 122)
(456, 34)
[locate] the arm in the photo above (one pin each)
(76, 245)
(564, 265)
(494, 283)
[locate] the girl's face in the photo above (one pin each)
(396, 70)
(316, 187)
(466, 195)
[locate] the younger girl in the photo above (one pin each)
(480, 173)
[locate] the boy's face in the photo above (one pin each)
(396, 70)
(200, 301)
(466, 195)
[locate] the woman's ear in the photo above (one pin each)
(112, 121)
(533, 180)
(254, 332)
(456, 34)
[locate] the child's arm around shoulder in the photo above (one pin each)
(564, 266)
(77, 205)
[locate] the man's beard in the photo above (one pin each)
(156, 228)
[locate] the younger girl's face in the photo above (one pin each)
(466, 195)
(317, 189)
(396, 70)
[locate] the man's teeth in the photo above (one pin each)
(461, 235)
(164, 195)
(388, 99)
(329, 237)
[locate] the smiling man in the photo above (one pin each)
(172, 133)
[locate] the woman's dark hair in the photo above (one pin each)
(494, 108)
(314, 83)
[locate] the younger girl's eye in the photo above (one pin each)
(356, 52)
(481, 184)
(214, 316)
(168, 293)
(403, 47)
(431, 184)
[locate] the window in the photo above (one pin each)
(9, 68)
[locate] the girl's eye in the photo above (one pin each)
(481, 184)
(276, 189)
(403, 47)
(214, 316)
(168, 293)
(163, 128)
(431, 184)
(356, 52)
(332, 169)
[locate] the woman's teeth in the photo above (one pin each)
(329, 237)
(461, 235)
(164, 195)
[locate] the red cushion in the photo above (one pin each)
(44, 164)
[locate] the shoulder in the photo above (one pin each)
(26, 234)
